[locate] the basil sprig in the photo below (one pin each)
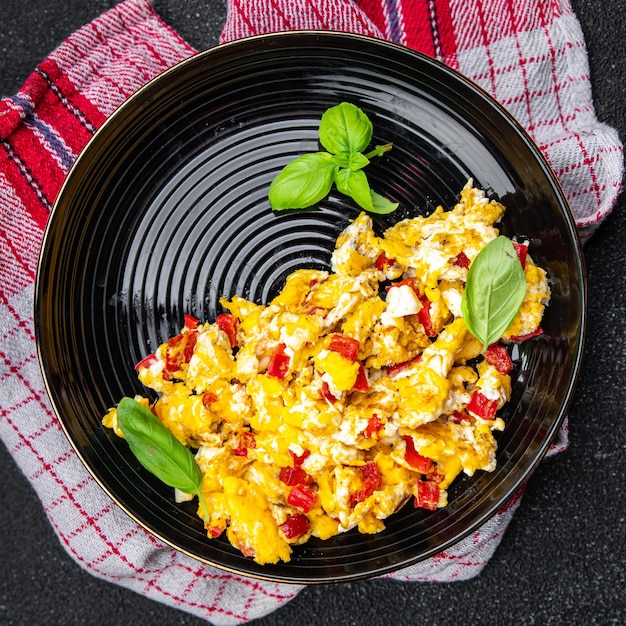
(494, 291)
(156, 448)
(345, 132)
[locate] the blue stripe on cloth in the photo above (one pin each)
(393, 18)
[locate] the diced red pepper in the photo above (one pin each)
(228, 324)
(521, 338)
(424, 317)
(294, 476)
(298, 459)
(393, 369)
(361, 383)
(191, 322)
(383, 261)
(215, 531)
(522, 252)
(279, 363)
(421, 463)
(346, 346)
(326, 394)
(374, 424)
(246, 440)
(498, 356)
(411, 282)
(146, 361)
(179, 350)
(208, 398)
(295, 526)
(462, 260)
(459, 417)
(427, 495)
(190, 344)
(371, 481)
(302, 497)
(436, 476)
(482, 406)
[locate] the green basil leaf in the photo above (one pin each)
(156, 448)
(494, 291)
(355, 185)
(382, 205)
(345, 128)
(353, 161)
(303, 182)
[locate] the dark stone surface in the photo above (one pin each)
(562, 558)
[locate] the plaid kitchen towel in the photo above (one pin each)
(531, 56)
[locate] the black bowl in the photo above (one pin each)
(166, 210)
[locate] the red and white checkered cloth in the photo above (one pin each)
(530, 55)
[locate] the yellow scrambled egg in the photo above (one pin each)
(332, 406)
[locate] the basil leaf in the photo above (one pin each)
(382, 205)
(345, 128)
(353, 161)
(156, 448)
(355, 185)
(494, 291)
(303, 182)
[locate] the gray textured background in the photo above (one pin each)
(562, 559)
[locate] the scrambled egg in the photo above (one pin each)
(332, 406)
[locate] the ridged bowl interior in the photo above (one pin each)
(166, 211)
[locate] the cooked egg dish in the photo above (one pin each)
(351, 393)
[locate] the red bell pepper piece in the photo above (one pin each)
(371, 481)
(228, 323)
(459, 417)
(146, 362)
(279, 363)
(298, 459)
(208, 398)
(482, 406)
(246, 440)
(190, 322)
(215, 531)
(393, 369)
(411, 282)
(325, 393)
(374, 424)
(462, 260)
(361, 383)
(179, 350)
(522, 252)
(346, 346)
(421, 463)
(498, 356)
(302, 497)
(521, 338)
(294, 476)
(427, 495)
(383, 261)
(295, 526)
(424, 317)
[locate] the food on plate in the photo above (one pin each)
(354, 391)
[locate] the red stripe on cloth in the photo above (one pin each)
(418, 27)
(247, 18)
(375, 12)
(472, 29)
(59, 100)
(37, 166)
(25, 184)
